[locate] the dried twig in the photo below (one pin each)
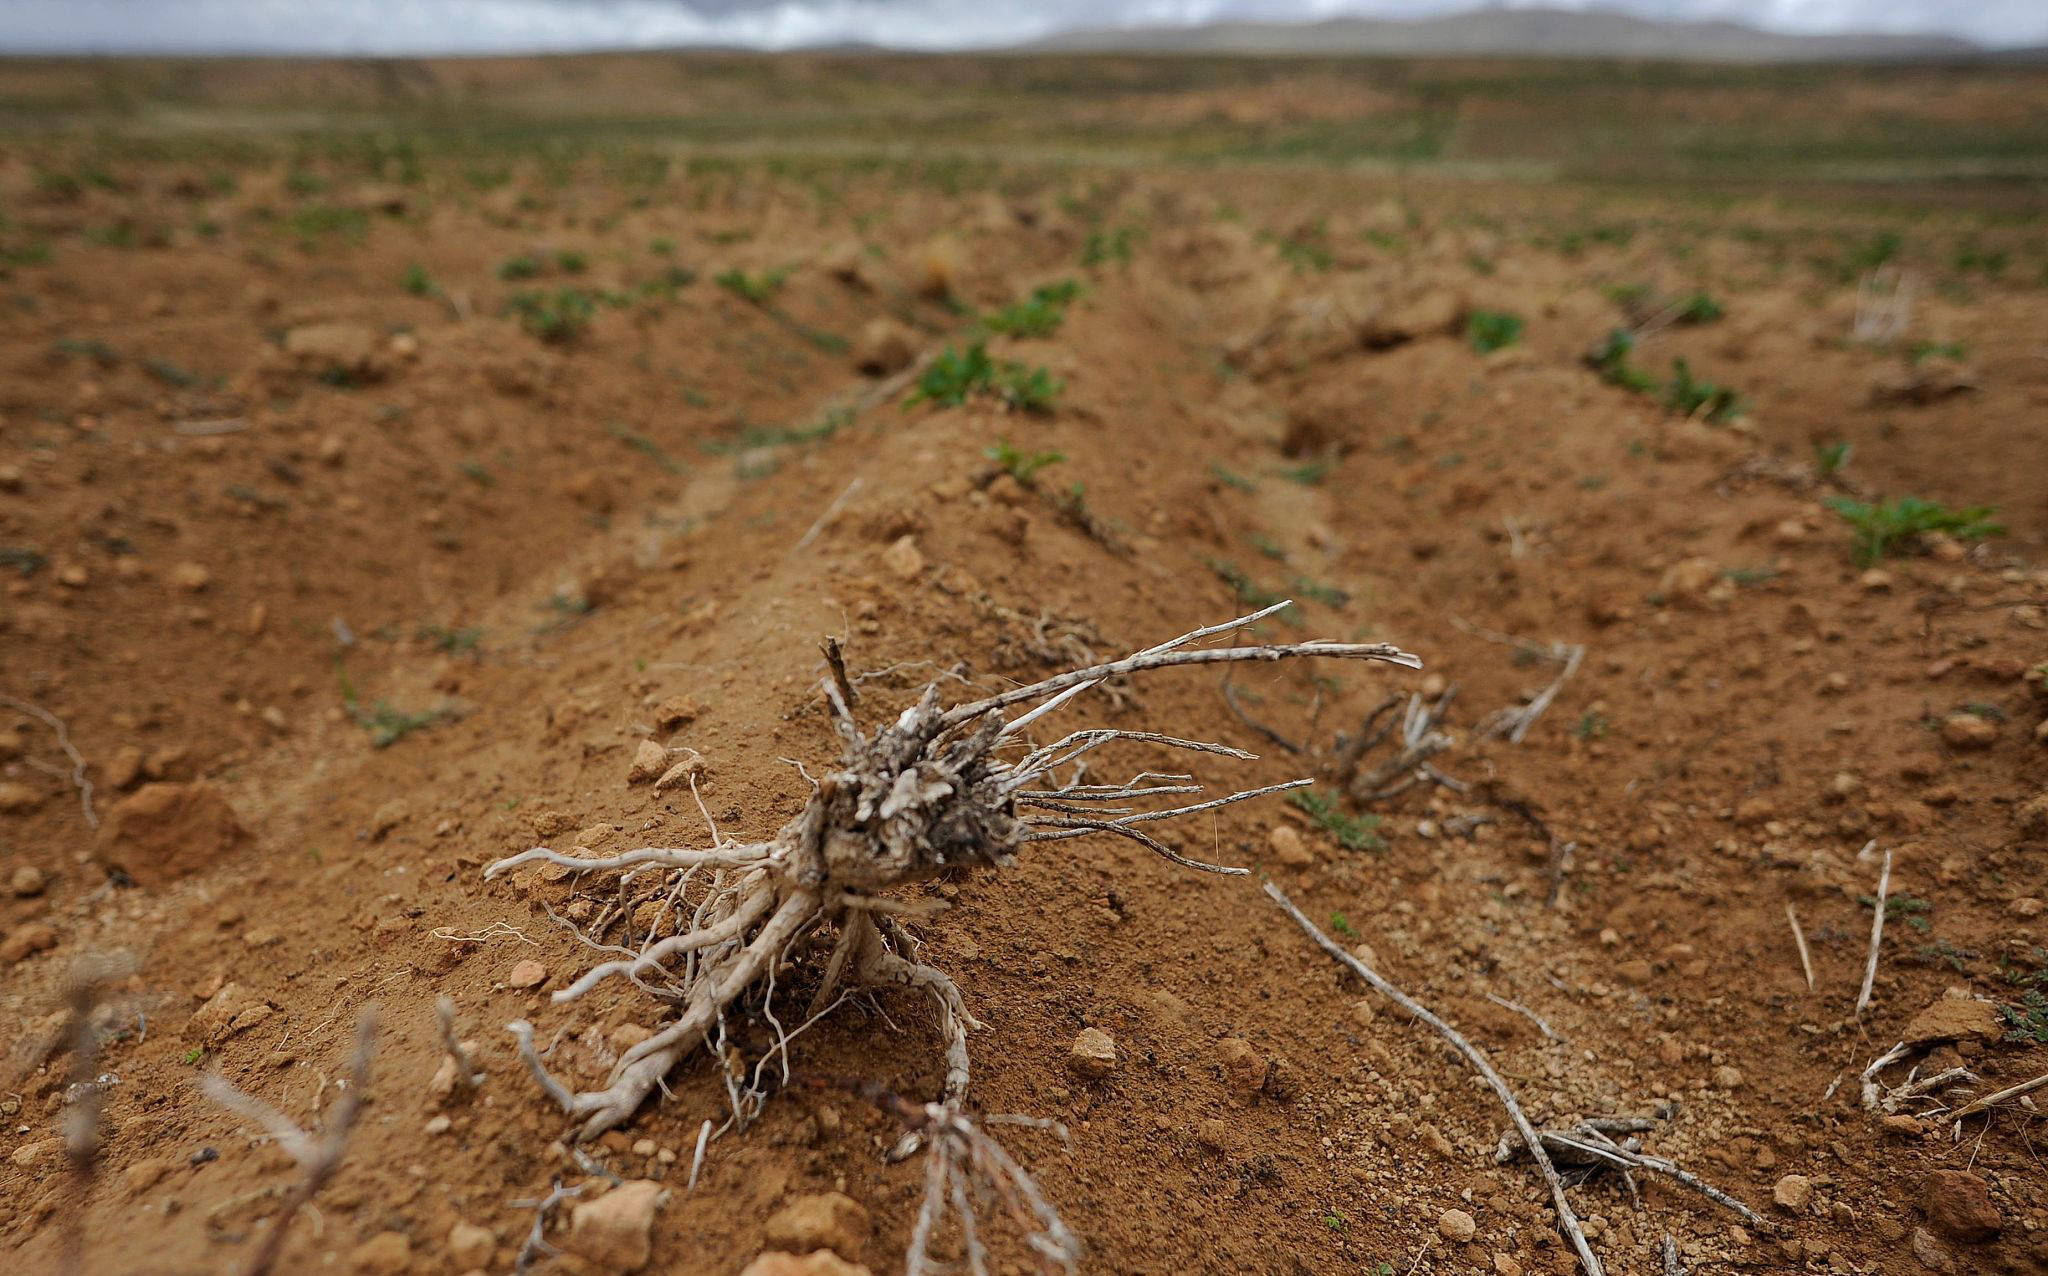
(1974, 1106)
(922, 794)
(1528, 1014)
(79, 779)
(1873, 1089)
(1672, 1266)
(536, 1244)
(82, 1096)
(1513, 722)
(317, 1160)
(1566, 1219)
(1799, 941)
(1230, 698)
(963, 1165)
(467, 1078)
(1884, 886)
(838, 502)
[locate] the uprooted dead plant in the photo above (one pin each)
(937, 789)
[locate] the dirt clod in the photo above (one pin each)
(165, 831)
(1958, 1206)
(1092, 1054)
(615, 1230)
(1456, 1226)
(824, 1220)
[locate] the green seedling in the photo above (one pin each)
(1886, 528)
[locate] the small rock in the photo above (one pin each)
(649, 761)
(28, 881)
(884, 346)
(820, 1263)
(1687, 580)
(143, 1175)
(1244, 1071)
(1288, 847)
(1213, 1134)
(1504, 1265)
(824, 1220)
(1727, 1078)
(1793, 1192)
(682, 772)
(1093, 1054)
(29, 1155)
(1968, 731)
(677, 711)
(615, 1231)
(168, 831)
(526, 974)
(470, 1246)
(1933, 1255)
(1637, 971)
(18, 799)
(903, 558)
(1457, 1226)
(2025, 906)
(190, 577)
(1910, 1127)
(125, 768)
(24, 942)
(1958, 1205)
(1877, 580)
(439, 1125)
(385, 1254)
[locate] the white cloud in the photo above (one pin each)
(414, 26)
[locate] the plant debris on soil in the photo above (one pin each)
(381, 499)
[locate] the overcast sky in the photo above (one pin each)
(435, 26)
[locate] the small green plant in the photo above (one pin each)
(1610, 360)
(1231, 478)
(1249, 592)
(23, 559)
(1885, 528)
(453, 642)
(557, 317)
(1921, 351)
(418, 282)
(662, 246)
(955, 376)
(1022, 466)
(1308, 251)
(1491, 330)
(1830, 458)
(2026, 1022)
(758, 289)
(1342, 925)
(1352, 832)
(1590, 726)
(519, 269)
(171, 374)
(571, 262)
(1038, 315)
(641, 443)
(1691, 396)
(478, 473)
(1308, 473)
(1109, 246)
(194, 1055)
(1698, 308)
(386, 723)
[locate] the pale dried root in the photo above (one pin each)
(920, 795)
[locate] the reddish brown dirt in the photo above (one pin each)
(1752, 709)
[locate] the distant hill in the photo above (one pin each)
(1555, 33)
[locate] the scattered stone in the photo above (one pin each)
(439, 1125)
(470, 1246)
(820, 1263)
(1288, 847)
(1793, 1192)
(30, 1155)
(884, 346)
(1727, 1078)
(1968, 731)
(18, 799)
(1877, 580)
(1244, 1071)
(2026, 906)
(143, 1175)
(168, 831)
(1688, 580)
(190, 577)
(903, 558)
(24, 942)
(1959, 1207)
(1505, 1265)
(1093, 1053)
(230, 1010)
(1457, 1226)
(1955, 1016)
(350, 347)
(1933, 1255)
(385, 1254)
(124, 770)
(615, 1231)
(825, 1220)
(526, 974)
(677, 711)
(1910, 1127)
(27, 882)
(1213, 1134)
(682, 772)
(650, 760)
